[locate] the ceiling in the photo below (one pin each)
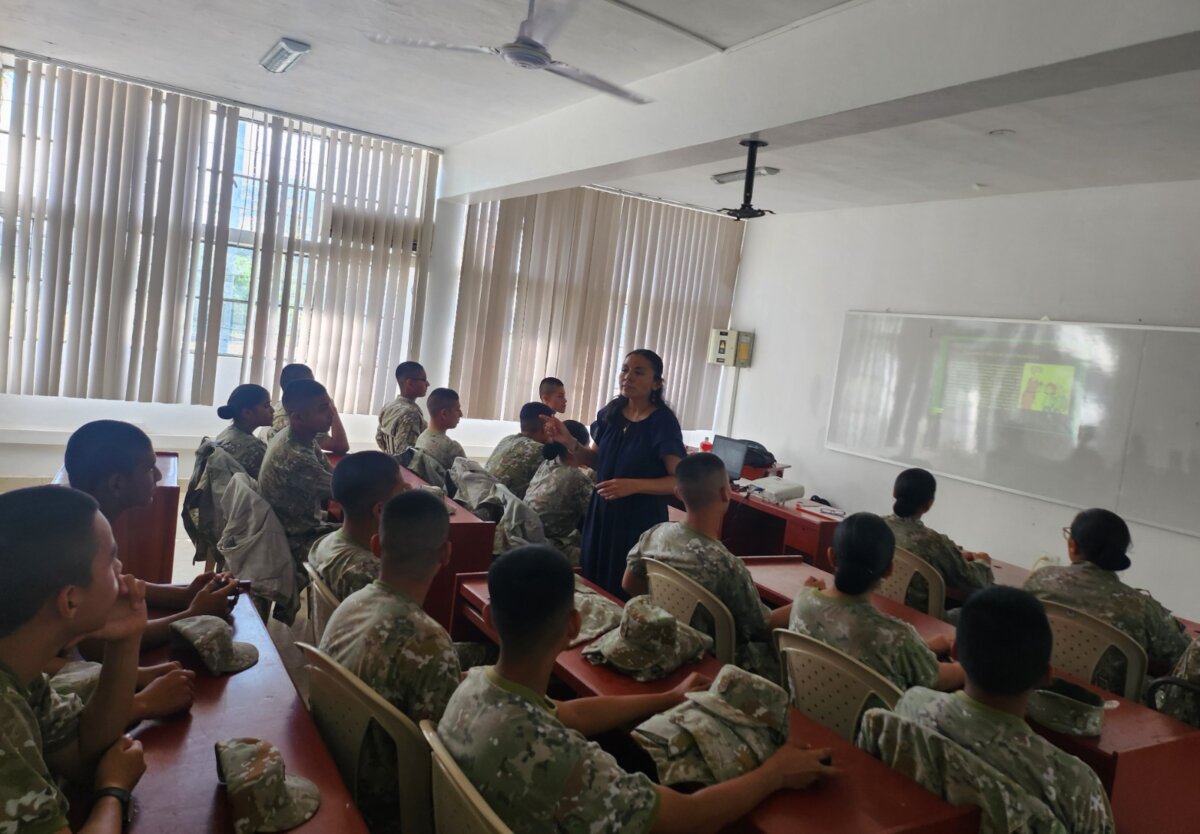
(433, 98)
(1136, 132)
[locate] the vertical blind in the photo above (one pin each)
(565, 284)
(130, 215)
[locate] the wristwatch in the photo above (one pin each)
(125, 797)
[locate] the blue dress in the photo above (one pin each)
(612, 528)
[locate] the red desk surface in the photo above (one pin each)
(867, 797)
(1149, 762)
(756, 526)
(179, 793)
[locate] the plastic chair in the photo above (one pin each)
(680, 595)
(321, 602)
(343, 708)
(458, 808)
(1080, 640)
(904, 566)
(829, 686)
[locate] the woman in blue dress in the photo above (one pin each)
(637, 443)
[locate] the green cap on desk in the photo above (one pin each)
(212, 638)
(649, 644)
(1067, 708)
(263, 796)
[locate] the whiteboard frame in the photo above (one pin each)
(834, 447)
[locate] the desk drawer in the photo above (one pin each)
(802, 535)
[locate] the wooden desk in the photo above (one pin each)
(1149, 762)
(179, 791)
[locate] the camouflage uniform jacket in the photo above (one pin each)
(537, 775)
(1176, 701)
(853, 626)
(440, 447)
(560, 493)
(1102, 594)
(345, 566)
(941, 552)
(295, 478)
(1068, 786)
(33, 721)
(514, 462)
(398, 650)
(711, 564)
(244, 447)
(400, 424)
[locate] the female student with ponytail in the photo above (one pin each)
(638, 442)
(844, 618)
(249, 408)
(561, 491)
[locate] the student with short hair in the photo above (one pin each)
(445, 410)
(62, 582)
(517, 457)
(529, 756)
(843, 616)
(383, 636)
(333, 439)
(362, 483)
(1098, 544)
(963, 570)
(1004, 643)
(248, 408)
(553, 393)
(561, 491)
(401, 421)
(694, 547)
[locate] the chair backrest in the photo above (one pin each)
(1080, 640)
(680, 595)
(829, 686)
(905, 566)
(343, 708)
(321, 602)
(458, 807)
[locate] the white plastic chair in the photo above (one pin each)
(829, 686)
(905, 565)
(458, 808)
(321, 602)
(680, 595)
(1080, 640)
(343, 708)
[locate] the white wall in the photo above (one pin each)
(1125, 255)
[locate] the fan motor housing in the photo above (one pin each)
(525, 54)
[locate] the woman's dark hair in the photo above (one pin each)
(613, 412)
(914, 489)
(864, 546)
(557, 450)
(1103, 538)
(243, 397)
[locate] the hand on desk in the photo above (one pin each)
(217, 597)
(121, 766)
(941, 645)
(815, 582)
(166, 695)
(695, 682)
(800, 767)
(973, 556)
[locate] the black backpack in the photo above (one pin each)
(757, 455)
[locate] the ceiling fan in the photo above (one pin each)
(747, 211)
(528, 49)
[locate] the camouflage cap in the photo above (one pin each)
(263, 796)
(744, 698)
(1066, 708)
(649, 638)
(598, 615)
(212, 638)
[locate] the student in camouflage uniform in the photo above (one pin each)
(844, 618)
(249, 407)
(517, 457)
(383, 636)
(445, 411)
(553, 393)
(401, 421)
(1004, 643)
(296, 476)
(362, 483)
(528, 756)
(1097, 544)
(333, 439)
(694, 547)
(963, 570)
(561, 491)
(62, 580)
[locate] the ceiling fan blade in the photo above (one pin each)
(391, 40)
(595, 82)
(545, 19)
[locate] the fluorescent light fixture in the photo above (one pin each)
(283, 54)
(739, 176)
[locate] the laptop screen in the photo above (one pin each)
(732, 453)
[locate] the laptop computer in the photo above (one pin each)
(732, 453)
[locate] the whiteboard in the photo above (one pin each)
(1087, 415)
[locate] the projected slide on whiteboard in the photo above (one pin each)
(1086, 415)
